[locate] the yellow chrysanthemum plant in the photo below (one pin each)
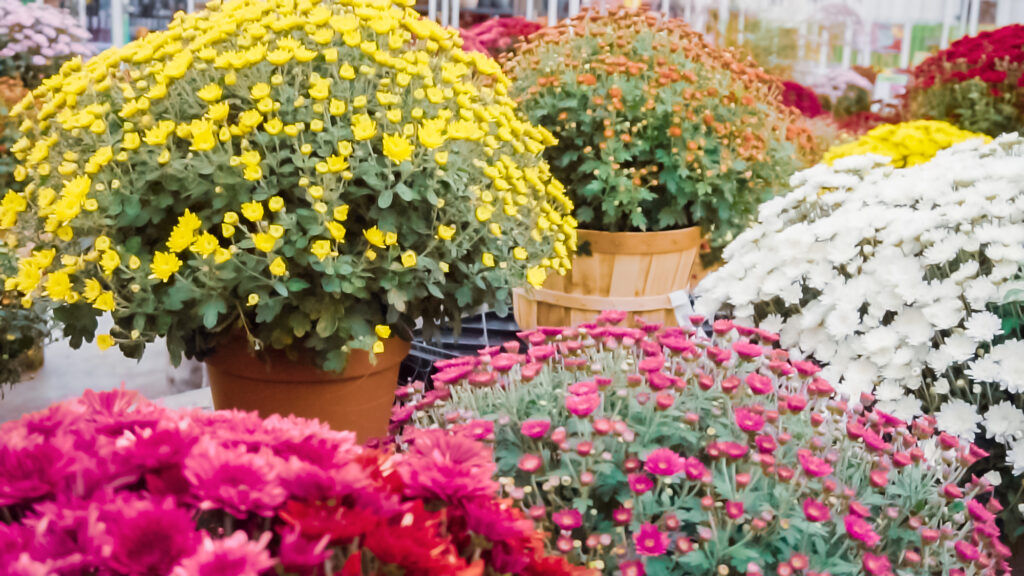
(319, 173)
(907, 143)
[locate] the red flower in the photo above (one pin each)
(812, 465)
(860, 529)
(748, 421)
(640, 483)
(530, 463)
(582, 405)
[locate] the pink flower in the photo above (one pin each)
(734, 509)
(300, 554)
(876, 564)
(234, 479)
(765, 444)
(663, 462)
(622, 516)
(582, 388)
(477, 429)
(733, 450)
(449, 468)
(582, 405)
(694, 468)
(234, 555)
(650, 541)
(860, 529)
(748, 421)
(530, 463)
(966, 551)
(747, 350)
(812, 465)
(640, 483)
(632, 568)
(134, 524)
(815, 511)
(806, 368)
(535, 428)
(567, 519)
(505, 362)
(759, 384)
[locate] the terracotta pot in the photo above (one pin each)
(630, 271)
(358, 399)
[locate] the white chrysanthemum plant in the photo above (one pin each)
(897, 280)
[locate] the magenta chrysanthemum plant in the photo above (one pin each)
(112, 484)
(648, 451)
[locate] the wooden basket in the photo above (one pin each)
(630, 271)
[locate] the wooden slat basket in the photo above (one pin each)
(630, 271)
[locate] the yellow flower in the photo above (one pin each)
(232, 217)
(484, 212)
(536, 276)
(252, 173)
(397, 148)
(383, 331)
(341, 213)
(260, 91)
(321, 249)
(102, 243)
(337, 107)
(445, 232)
(275, 203)
(58, 285)
(253, 300)
(276, 230)
(346, 71)
(519, 253)
(202, 136)
(320, 88)
(443, 266)
(278, 267)
(363, 127)
(253, 211)
(93, 289)
(432, 133)
(109, 261)
(408, 258)
(104, 341)
(441, 157)
(374, 236)
(210, 93)
(487, 259)
(218, 111)
(390, 238)
(105, 302)
(134, 262)
(273, 126)
(264, 241)
(130, 141)
(337, 231)
(378, 347)
(164, 265)
(205, 244)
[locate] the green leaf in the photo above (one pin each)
(211, 311)
(385, 198)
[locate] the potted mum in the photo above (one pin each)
(305, 181)
(977, 83)
(664, 142)
(231, 494)
(898, 280)
(906, 143)
(648, 451)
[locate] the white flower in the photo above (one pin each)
(1015, 458)
(959, 348)
(958, 418)
(983, 326)
(1003, 365)
(1004, 422)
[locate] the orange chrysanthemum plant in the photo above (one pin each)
(657, 129)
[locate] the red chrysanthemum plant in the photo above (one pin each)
(650, 451)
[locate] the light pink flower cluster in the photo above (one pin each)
(650, 450)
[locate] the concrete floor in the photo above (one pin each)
(67, 373)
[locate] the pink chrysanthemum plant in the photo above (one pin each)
(112, 484)
(649, 451)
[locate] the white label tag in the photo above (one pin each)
(681, 304)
